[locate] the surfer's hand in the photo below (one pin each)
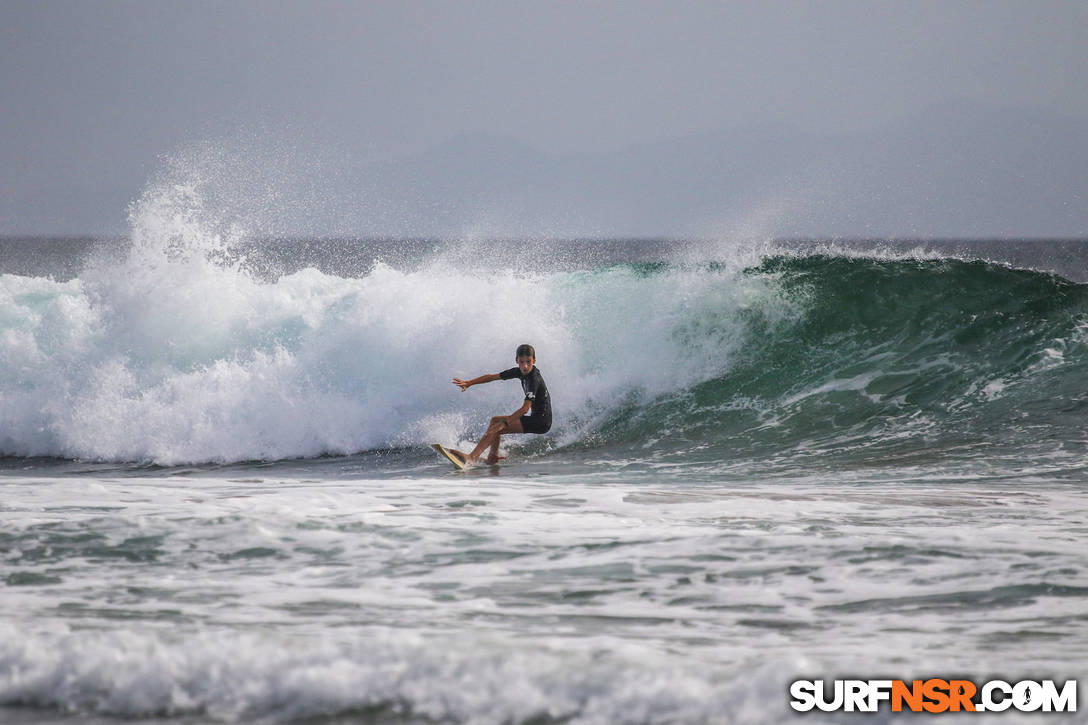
(462, 384)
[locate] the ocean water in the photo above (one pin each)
(770, 462)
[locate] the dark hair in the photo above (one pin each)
(525, 351)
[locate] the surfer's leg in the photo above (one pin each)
(494, 430)
(493, 454)
(500, 425)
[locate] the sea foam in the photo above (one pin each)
(231, 676)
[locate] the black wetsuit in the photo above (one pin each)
(539, 419)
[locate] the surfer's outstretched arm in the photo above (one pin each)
(466, 384)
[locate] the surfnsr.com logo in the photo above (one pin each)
(933, 695)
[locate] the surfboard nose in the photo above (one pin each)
(455, 457)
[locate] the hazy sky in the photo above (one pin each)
(92, 92)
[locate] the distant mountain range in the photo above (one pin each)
(951, 170)
(955, 170)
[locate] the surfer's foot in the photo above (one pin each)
(492, 460)
(463, 457)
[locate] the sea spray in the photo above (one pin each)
(178, 354)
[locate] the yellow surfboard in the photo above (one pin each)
(459, 462)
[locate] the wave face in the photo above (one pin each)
(178, 354)
(891, 360)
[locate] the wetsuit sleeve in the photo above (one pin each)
(509, 374)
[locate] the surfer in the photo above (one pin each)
(534, 415)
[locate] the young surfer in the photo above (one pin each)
(534, 415)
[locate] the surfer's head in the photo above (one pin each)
(526, 358)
